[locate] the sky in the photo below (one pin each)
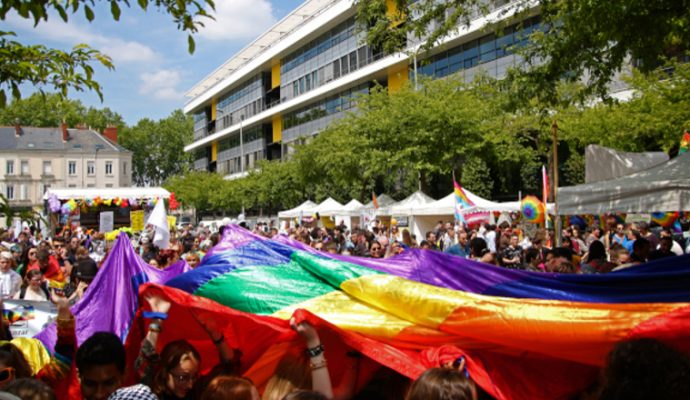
(153, 68)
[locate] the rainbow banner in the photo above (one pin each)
(684, 143)
(513, 326)
(461, 201)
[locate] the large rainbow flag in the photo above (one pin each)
(526, 335)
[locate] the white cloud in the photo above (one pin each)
(161, 84)
(121, 51)
(238, 19)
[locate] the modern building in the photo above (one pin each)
(33, 160)
(306, 71)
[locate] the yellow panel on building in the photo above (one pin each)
(275, 76)
(214, 151)
(277, 129)
(397, 78)
(214, 104)
(393, 14)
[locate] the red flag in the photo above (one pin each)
(374, 200)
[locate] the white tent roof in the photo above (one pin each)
(603, 163)
(662, 188)
(328, 207)
(384, 201)
(108, 193)
(306, 207)
(446, 205)
(351, 209)
(408, 205)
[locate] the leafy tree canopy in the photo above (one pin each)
(579, 40)
(60, 70)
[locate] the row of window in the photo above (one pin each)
(340, 67)
(480, 51)
(331, 105)
(71, 167)
(324, 42)
(248, 135)
(233, 165)
(250, 87)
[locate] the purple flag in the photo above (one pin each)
(110, 302)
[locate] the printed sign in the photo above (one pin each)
(28, 318)
(137, 220)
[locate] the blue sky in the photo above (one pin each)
(153, 69)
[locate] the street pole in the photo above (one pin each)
(241, 146)
(557, 220)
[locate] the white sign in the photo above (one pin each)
(107, 221)
(28, 318)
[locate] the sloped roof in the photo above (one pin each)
(33, 138)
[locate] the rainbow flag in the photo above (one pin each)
(512, 326)
(684, 143)
(461, 201)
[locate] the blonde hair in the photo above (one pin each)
(292, 373)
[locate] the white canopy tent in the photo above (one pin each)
(662, 188)
(349, 214)
(603, 163)
(328, 208)
(305, 208)
(384, 201)
(407, 206)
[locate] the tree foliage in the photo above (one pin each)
(158, 148)
(50, 110)
(579, 40)
(60, 70)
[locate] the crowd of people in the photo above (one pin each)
(60, 270)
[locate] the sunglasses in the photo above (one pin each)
(32, 253)
(6, 374)
(375, 249)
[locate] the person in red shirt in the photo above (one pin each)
(48, 265)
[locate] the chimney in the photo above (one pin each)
(17, 128)
(111, 133)
(65, 132)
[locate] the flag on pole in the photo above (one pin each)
(544, 185)
(461, 201)
(374, 200)
(684, 143)
(159, 220)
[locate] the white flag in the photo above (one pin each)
(159, 219)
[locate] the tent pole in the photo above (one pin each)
(557, 220)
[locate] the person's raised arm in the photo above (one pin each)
(206, 320)
(148, 356)
(321, 380)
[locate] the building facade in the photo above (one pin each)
(33, 160)
(308, 70)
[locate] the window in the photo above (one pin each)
(72, 186)
(9, 170)
(91, 168)
(47, 168)
(9, 192)
(90, 185)
(72, 168)
(124, 168)
(108, 167)
(108, 185)
(23, 192)
(46, 188)
(24, 167)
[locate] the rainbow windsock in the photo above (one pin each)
(513, 326)
(533, 210)
(684, 143)
(665, 219)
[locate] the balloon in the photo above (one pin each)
(533, 210)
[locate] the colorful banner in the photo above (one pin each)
(28, 318)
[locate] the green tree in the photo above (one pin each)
(158, 147)
(590, 39)
(195, 189)
(63, 70)
(50, 110)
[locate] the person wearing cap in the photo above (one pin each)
(10, 280)
(86, 272)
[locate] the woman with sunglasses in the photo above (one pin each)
(376, 250)
(27, 258)
(173, 373)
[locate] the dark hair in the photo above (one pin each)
(42, 254)
(597, 251)
(30, 389)
(170, 358)
(227, 387)
(29, 275)
(640, 243)
(441, 384)
(531, 254)
(305, 395)
(645, 369)
(478, 247)
(102, 348)
(11, 356)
